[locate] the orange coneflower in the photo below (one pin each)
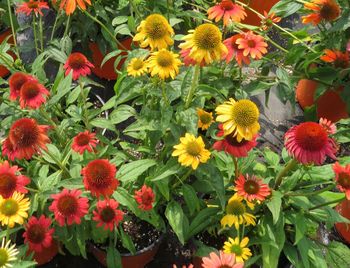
(16, 82)
(268, 20)
(79, 64)
(11, 180)
(330, 127)
(84, 141)
(227, 10)
(32, 95)
(234, 51)
(107, 214)
(70, 5)
(327, 10)
(252, 188)
(252, 44)
(338, 58)
(32, 6)
(145, 198)
(342, 177)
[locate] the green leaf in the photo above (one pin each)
(63, 88)
(191, 198)
(113, 257)
(204, 219)
(177, 220)
(337, 255)
(166, 171)
(274, 205)
(300, 227)
(102, 123)
(127, 241)
(122, 113)
(48, 183)
(131, 171)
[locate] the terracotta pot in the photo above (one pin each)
(107, 70)
(197, 262)
(139, 260)
(343, 228)
(259, 6)
(3, 35)
(47, 254)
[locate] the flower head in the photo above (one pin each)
(8, 150)
(32, 6)
(7, 254)
(191, 151)
(11, 180)
(239, 118)
(70, 5)
(252, 188)
(164, 63)
(137, 67)
(69, 207)
(13, 209)
(234, 51)
(32, 95)
(38, 233)
(79, 64)
(205, 43)
(338, 58)
(227, 10)
(187, 60)
(268, 20)
(252, 44)
(239, 248)
(342, 177)
(155, 31)
(237, 213)
(145, 198)
(327, 10)
(26, 138)
(99, 177)
(107, 214)
(230, 145)
(205, 119)
(223, 260)
(309, 143)
(16, 82)
(84, 141)
(330, 127)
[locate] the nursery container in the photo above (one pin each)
(47, 254)
(343, 228)
(3, 35)
(259, 6)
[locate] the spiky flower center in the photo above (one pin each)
(137, 64)
(76, 61)
(251, 187)
(24, 133)
(156, 26)
(8, 183)
(33, 4)
(36, 233)
(165, 58)
(30, 90)
(344, 180)
(232, 140)
(193, 148)
(227, 5)
(67, 205)
(237, 250)
(17, 80)
(224, 266)
(107, 214)
(205, 118)
(4, 257)
(98, 173)
(236, 208)
(83, 139)
(207, 36)
(311, 136)
(251, 43)
(9, 207)
(329, 11)
(245, 113)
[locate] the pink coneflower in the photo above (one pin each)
(252, 188)
(11, 180)
(32, 6)
(252, 44)
(145, 198)
(227, 10)
(342, 177)
(309, 143)
(234, 51)
(32, 95)
(84, 141)
(338, 58)
(79, 64)
(107, 214)
(223, 260)
(330, 127)
(16, 81)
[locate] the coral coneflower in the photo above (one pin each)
(32, 95)
(222, 260)
(13, 209)
(69, 207)
(327, 10)
(252, 44)
(8, 150)
(79, 64)
(205, 43)
(342, 177)
(338, 58)
(309, 143)
(155, 31)
(70, 5)
(191, 151)
(164, 63)
(187, 60)
(239, 118)
(137, 67)
(252, 188)
(99, 177)
(107, 214)
(11, 180)
(38, 233)
(239, 248)
(145, 198)
(16, 81)
(234, 51)
(205, 119)
(28, 138)
(32, 6)
(330, 127)
(84, 141)
(268, 20)
(237, 213)
(227, 10)
(230, 145)
(7, 254)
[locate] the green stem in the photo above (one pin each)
(166, 100)
(330, 187)
(276, 45)
(35, 36)
(54, 125)
(327, 203)
(7, 233)
(183, 178)
(32, 190)
(41, 34)
(236, 167)
(290, 165)
(12, 28)
(58, 163)
(67, 27)
(83, 103)
(54, 26)
(193, 86)
(134, 7)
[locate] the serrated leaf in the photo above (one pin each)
(274, 205)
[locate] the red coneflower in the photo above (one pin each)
(309, 143)
(107, 214)
(327, 10)
(252, 188)
(145, 198)
(342, 177)
(84, 141)
(70, 5)
(268, 20)
(330, 127)
(38, 233)
(234, 51)
(338, 58)
(99, 177)
(79, 64)
(252, 44)
(69, 207)
(187, 60)
(230, 145)
(32, 6)
(8, 150)
(32, 95)
(16, 81)
(11, 180)
(227, 10)
(27, 138)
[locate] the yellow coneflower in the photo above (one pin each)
(13, 209)
(238, 248)
(164, 63)
(205, 119)
(7, 254)
(137, 67)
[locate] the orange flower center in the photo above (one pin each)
(205, 118)
(30, 90)
(8, 183)
(165, 58)
(24, 133)
(138, 64)
(227, 5)
(311, 136)
(107, 214)
(83, 139)
(251, 43)
(18, 80)
(236, 208)
(33, 5)
(76, 61)
(193, 148)
(156, 26)
(36, 234)
(67, 205)
(251, 187)
(233, 141)
(146, 198)
(344, 180)
(99, 173)
(329, 11)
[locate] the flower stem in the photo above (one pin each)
(41, 34)
(330, 187)
(166, 100)
(236, 167)
(67, 27)
(54, 26)
(12, 28)
(288, 167)
(193, 86)
(183, 178)
(35, 36)
(327, 203)
(83, 101)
